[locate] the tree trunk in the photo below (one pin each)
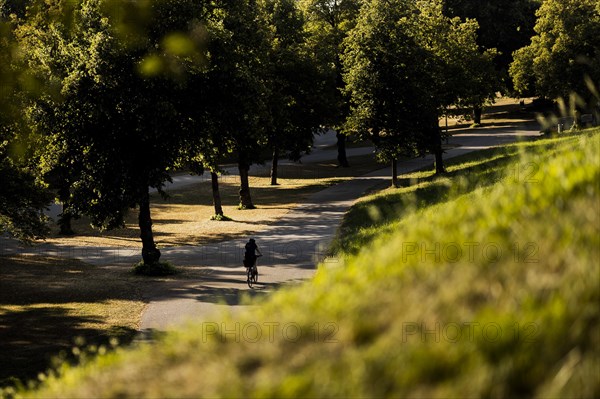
(438, 151)
(64, 223)
(65, 218)
(394, 173)
(215, 193)
(341, 146)
(245, 198)
(439, 162)
(150, 254)
(477, 110)
(274, 165)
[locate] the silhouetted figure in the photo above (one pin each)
(251, 253)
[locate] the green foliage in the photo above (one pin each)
(109, 135)
(404, 317)
(221, 218)
(564, 51)
(22, 197)
(295, 83)
(504, 25)
(154, 269)
(227, 100)
(383, 87)
(22, 201)
(327, 25)
(397, 103)
(170, 33)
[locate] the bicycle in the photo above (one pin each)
(252, 273)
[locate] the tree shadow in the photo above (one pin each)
(26, 283)
(235, 296)
(32, 340)
(40, 315)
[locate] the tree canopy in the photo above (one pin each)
(22, 196)
(404, 63)
(504, 25)
(328, 24)
(295, 82)
(114, 130)
(564, 55)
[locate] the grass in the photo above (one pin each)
(187, 216)
(385, 210)
(489, 291)
(154, 269)
(46, 303)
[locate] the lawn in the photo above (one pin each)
(485, 286)
(47, 305)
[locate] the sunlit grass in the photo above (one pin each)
(382, 212)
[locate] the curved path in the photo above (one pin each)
(292, 246)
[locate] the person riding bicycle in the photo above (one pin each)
(250, 254)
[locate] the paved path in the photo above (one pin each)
(291, 246)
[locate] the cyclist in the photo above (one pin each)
(250, 254)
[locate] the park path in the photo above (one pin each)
(292, 246)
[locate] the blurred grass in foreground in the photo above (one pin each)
(486, 286)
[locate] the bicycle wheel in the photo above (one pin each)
(249, 277)
(255, 275)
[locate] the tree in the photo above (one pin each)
(22, 200)
(206, 144)
(120, 130)
(206, 139)
(504, 25)
(457, 72)
(564, 55)
(328, 23)
(229, 98)
(385, 98)
(295, 102)
(237, 86)
(396, 103)
(22, 197)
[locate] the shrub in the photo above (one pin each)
(154, 269)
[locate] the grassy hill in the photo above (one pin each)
(481, 283)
